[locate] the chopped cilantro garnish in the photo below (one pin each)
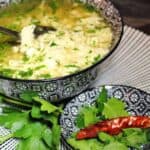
(75, 30)
(35, 21)
(101, 27)
(4, 46)
(90, 8)
(13, 26)
(54, 5)
(53, 44)
(91, 31)
(40, 58)
(27, 73)
(25, 58)
(90, 51)
(39, 67)
(7, 72)
(75, 49)
(71, 66)
(46, 76)
(96, 59)
(60, 33)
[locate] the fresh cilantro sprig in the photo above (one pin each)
(104, 108)
(36, 126)
(101, 100)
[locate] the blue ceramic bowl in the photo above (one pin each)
(57, 89)
(137, 103)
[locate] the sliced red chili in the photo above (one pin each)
(114, 126)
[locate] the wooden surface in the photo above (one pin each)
(136, 13)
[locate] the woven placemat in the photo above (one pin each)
(130, 63)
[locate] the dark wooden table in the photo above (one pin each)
(136, 13)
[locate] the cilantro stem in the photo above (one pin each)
(9, 109)
(5, 138)
(15, 102)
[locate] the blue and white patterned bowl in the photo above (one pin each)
(65, 87)
(137, 103)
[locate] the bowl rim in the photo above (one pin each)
(63, 139)
(83, 70)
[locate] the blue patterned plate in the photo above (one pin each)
(137, 103)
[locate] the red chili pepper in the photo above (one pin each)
(114, 126)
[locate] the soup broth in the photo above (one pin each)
(82, 38)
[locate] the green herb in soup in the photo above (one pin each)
(82, 38)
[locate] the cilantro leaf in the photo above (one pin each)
(32, 131)
(10, 119)
(56, 134)
(30, 125)
(80, 121)
(87, 116)
(56, 130)
(31, 144)
(24, 132)
(115, 146)
(46, 106)
(35, 129)
(90, 144)
(17, 125)
(47, 137)
(106, 138)
(102, 98)
(148, 134)
(35, 112)
(134, 137)
(114, 108)
(129, 131)
(27, 96)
